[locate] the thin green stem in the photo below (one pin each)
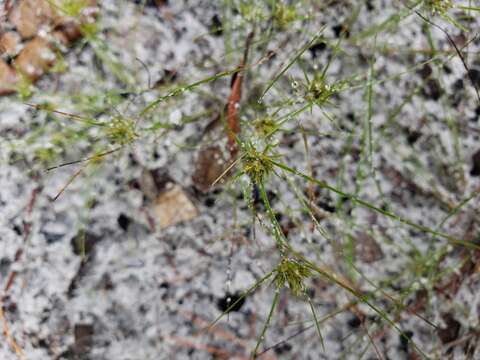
(366, 204)
(290, 64)
(267, 323)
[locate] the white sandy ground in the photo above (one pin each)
(147, 293)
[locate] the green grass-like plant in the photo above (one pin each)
(262, 162)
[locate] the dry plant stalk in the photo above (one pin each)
(232, 107)
(6, 332)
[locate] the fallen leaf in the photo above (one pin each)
(30, 15)
(450, 331)
(9, 43)
(209, 165)
(367, 249)
(35, 58)
(38, 19)
(70, 30)
(173, 206)
(8, 78)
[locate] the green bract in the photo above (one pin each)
(121, 131)
(292, 273)
(257, 165)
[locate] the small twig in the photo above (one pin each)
(72, 178)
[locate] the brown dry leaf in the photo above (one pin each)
(367, 249)
(35, 58)
(209, 165)
(173, 206)
(67, 31)
(8, 78)
(450, 331)
(9, 43)
(30, 15)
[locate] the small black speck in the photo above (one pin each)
(209, 202)
(413, 136)
(52, 237)
(43, 343)
(153, 3)
(458, 85)
(474, 75)
(216, 26)
(338, 29)
(17, 230)
(223, 304)
(279, 217)
(475, 171)
(317, 48)
(125, 95)
(326, 206)
(311, 293)
(425, 72)
(271, 195)
(354, 322)
(123, 221)
(405, 339)
(9, 60)
(432, 89)
(282, 348)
